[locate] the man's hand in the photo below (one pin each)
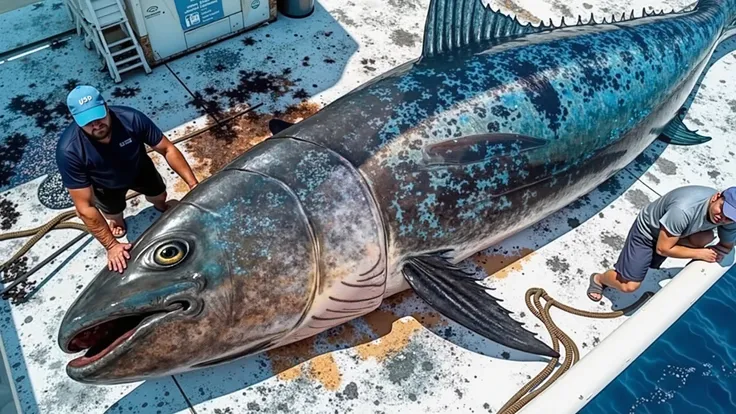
(709, 254)
(117, 257)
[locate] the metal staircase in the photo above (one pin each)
(99, 19)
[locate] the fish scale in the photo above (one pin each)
(518, 86)
(494, 127)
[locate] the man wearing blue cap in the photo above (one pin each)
(679, 224)
(102, 155)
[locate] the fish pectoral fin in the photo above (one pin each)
(676, 132)
(518, 161)
(475, 148)
(277, 125)
(449, 290)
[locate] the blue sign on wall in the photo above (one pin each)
(194, 13)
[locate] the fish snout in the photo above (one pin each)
(101, 324)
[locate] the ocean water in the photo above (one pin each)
(691, 368)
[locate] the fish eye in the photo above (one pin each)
(170, 253)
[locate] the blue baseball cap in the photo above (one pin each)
(86, 104)
(729, 203)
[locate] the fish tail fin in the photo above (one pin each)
(726, 6)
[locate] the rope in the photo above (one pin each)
(572, 355)
(60, 222)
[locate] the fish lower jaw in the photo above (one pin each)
(84, 360)
(84, 367)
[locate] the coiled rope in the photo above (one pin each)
(59, 222)
(572, 354)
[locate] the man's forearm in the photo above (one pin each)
(680, 252)
(177, 162)
(98, 226)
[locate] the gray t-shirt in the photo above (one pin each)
(682, 212)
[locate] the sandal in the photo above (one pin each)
(594, 287)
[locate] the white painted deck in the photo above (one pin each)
(401, 358)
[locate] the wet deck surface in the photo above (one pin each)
(403, 356)
(31, 23)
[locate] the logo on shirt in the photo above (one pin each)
(126, 142)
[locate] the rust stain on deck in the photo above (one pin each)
(500, 265)
(395, 332)
(287, 360)
(214, 148)
(390, 333)
(391, 344)
(222, 144)
(325, 370)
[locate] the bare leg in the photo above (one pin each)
(612, 279)
(116, 222)
(159, 201)
(698, 240)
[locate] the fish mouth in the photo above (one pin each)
(112, 336)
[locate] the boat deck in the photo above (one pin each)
(402, 357)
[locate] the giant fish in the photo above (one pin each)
(495, 126)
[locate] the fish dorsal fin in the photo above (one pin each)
(454, 24)
(475, 148)
(277, 125)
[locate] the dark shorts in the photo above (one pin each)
(638, 255)
(148, 182)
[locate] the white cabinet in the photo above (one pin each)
(173, 27)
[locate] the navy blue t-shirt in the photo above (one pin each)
(83, 162)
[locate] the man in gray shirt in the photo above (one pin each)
(679, 224)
